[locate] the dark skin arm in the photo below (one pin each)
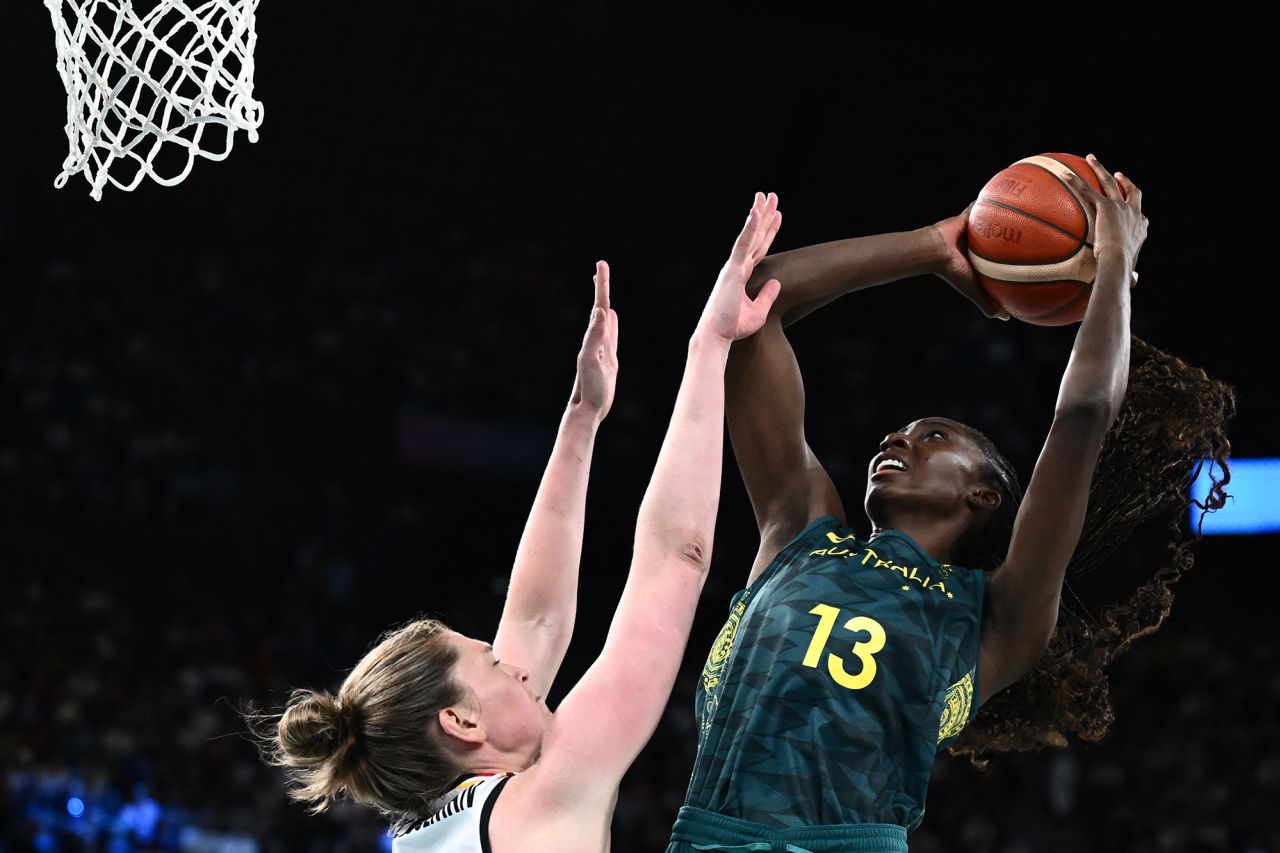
(764, 398)
(765, 395)
(1024, 592)
(789, 487)
(816, 275)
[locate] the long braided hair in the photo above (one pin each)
(1173, 422)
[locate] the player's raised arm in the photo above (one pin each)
(786, 482)
(1024, 593)
(537, 620)
(601, 726)
(813, 276)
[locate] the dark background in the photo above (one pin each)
(248, 422)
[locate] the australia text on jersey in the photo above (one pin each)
(866, 555)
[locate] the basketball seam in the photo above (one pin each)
(1084, 214)
(1035, 218)
(1079, 200)
(1087, 284)
(1004, 262)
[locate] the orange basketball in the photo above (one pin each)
(1031, 240)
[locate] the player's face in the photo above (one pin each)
(514, 717)
(934, 464)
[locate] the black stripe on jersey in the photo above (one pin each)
(484, 816)
(463, 801)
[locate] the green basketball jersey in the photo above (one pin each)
(839, 675)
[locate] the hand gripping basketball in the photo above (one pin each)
(957, 271)
(1119, 224)
(1033, 231)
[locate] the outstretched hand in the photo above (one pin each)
(598, 358)
(730, 314)
(957, 271)
(1119, 224)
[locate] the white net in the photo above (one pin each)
(148, 93)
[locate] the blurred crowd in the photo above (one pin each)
(216, 491)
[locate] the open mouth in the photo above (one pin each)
(888, 466)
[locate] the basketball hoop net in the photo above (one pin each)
(178, 74)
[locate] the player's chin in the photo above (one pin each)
(883, 491)
(886, 481)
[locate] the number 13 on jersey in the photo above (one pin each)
(863, 651)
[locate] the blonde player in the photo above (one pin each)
(451, 736)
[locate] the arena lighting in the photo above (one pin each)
(1254, 505)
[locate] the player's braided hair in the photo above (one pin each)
(1172, 422)
(371, 740)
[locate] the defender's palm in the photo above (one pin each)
(730, 313)
(598, 358)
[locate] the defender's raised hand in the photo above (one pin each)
(731, 314)
(598, 358)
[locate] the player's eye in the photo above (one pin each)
(936, 432)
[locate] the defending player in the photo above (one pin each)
(451, 737)
(847, 663)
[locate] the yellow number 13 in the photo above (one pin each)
(827, 616)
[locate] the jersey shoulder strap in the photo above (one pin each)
(460, 819)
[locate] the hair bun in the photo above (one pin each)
(314, 728)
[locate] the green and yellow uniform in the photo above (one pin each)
(841, 672)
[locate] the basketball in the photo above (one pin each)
(1031, 240)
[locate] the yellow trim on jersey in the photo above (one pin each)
(956, 707)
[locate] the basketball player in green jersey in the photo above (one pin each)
(846, 664)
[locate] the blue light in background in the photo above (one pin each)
(1254, 505)
(75, 807)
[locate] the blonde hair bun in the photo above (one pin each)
(313, 729)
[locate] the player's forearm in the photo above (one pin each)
(815, 275)
(678, 513)
(544, 577)
(1024, 595)
(606, 719)
(1098, 371)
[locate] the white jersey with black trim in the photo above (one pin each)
(460, 820)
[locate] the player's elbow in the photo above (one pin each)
(696, 553)
(555, 627)
(691, 549)
(678, 544)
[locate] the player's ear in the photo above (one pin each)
(461, 724)
(983, 498)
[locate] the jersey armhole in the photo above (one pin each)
(485, 812)
(817, 522)
(785, 550)
(977, 658)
